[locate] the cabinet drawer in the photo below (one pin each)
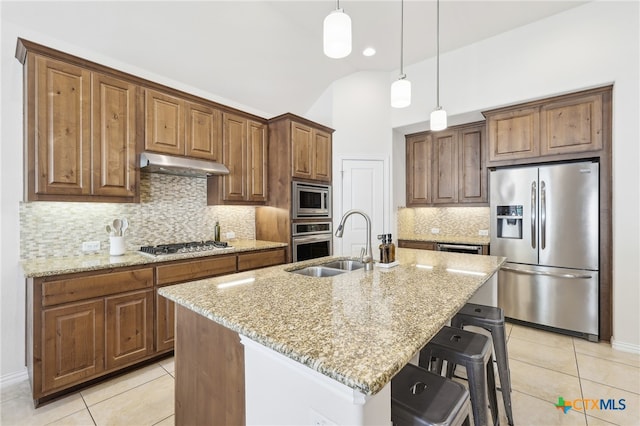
(260, 259)
(422, 245)
(88, 287)
(186, 271)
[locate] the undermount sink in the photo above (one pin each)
(345, 265)
(330, 269)
(318, 271)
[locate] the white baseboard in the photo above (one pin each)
(625, 347)
(11, 378)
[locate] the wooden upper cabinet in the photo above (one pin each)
(514, 134)
(572, 125)
(472, 170)
(445, 167)
(419, 155)
(554, 129)
(203, 132)
(302, 151)
(62, 141)
(310, 153)
(114, 131)
(257, 152)
(80, 129)
(245, 155)
(323, 156)
(164, 123)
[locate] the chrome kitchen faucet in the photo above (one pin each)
(367, 257)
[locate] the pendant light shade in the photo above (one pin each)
(337, 34)
(401, 88)
(401, 93)
(438, 120)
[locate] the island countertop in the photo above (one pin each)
(358, 328)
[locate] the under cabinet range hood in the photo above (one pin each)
(182, 166)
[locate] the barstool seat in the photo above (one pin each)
(473, 351)
(419, 397)
(491, 319)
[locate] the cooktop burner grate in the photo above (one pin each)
(188, 247)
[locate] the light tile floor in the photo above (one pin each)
(544, 366)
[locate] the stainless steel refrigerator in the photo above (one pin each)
(544, 220)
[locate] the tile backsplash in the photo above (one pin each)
(171, 209)
(451, 221)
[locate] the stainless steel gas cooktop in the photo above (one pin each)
(178, 248)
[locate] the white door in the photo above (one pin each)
(363, 187)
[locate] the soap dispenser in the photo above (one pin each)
(384, 249)
(391, 249)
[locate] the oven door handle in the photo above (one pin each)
(312, 238)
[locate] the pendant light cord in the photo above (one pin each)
(402, 39)
(438, 53)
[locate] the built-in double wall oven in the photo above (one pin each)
(311, 240)
(311, 233)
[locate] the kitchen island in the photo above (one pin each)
(294, 349)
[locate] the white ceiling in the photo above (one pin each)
(268, 54)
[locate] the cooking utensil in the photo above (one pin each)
(117, 226)
(109, 230)
(125, 225)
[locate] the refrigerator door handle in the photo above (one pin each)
(534, 208)
(543, 215)
(548, 274)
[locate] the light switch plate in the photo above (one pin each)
(91, 245)
(483, 232)
(230, 235)
(435, 230)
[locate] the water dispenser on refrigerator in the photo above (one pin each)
(509, 221)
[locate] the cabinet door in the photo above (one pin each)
(301, 151)
(472, 177)
(165, 323)
(418, 170)
(445, 167)
(73, 348)
(62, 140)
(514, 134)
(572, 125)
(203, 132)
(114, 133)
(322, 156)
(164, 123)
(129, 328)
(234, 157)
(257, 152)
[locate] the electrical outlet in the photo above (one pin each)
(483, 232)
(91, 246)
(435, 230)
(318, 419)
(230, 235)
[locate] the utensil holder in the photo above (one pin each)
(116, 246)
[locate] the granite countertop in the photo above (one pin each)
(359, 328)
(43, 267)
(481, 240)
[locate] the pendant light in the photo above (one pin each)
(401, 88)
(438, 120)
(337, 34)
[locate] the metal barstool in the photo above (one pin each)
(473, 351)
(419, 397)
(491, 319)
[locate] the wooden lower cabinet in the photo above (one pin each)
(86, 325)
(422, 245)
(73, 344)
(129, 328)
(165, 324)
